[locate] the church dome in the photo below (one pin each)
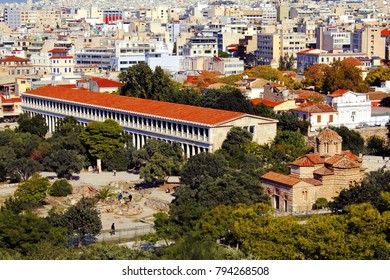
(329, 135)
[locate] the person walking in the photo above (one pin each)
(114, 171)
(113, 229)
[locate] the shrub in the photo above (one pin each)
(321, 203)
(61, 188)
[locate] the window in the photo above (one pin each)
(331, 118)
(318, 119)
(304, 195)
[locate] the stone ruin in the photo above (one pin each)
(157, 204)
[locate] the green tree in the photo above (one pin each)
(21, 169)
(203, 165)
(375, 145)
(286, 62)
(288, 121)
(80, 219)
(137, 81)
(64, 162)
(32, 192)
(20, 232)
(352, 140)
(35, 125)
(118, 159)
(161, 85)
(101, 138)
(223, 54)
(369, 190)
(157, 168)
(60, 187)
(227, 98)
(343, 76)
(264, 111)
(232, 146)
(376, 75)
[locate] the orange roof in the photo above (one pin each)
(58, 51)
(339, 92)
(329, 135)
(102, 82)
(310, 107)
(308, 94)
(281, 178)
(351, 155)
(161, 109)
(266, 102)
(308, 160)
(12, 58)
(342, 161)
(312, 181)
(385, 32)
(305, 51)
(67, 85)
(323, 171)
(10, 100)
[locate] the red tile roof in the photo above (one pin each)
(342, 161)
(308, 160)
(385, 32)
(10, 100)
(351, 155)
(174, 111)
(323, 171)
(106, 83)
(338, 92)
(305, 51)
(309, 95)
(12, 58)
(67, 85)
(266, 102)
(287, 180)
(58, 51)
(329, 135)
(312, 181)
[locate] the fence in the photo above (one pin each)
(123, 235)
(304, 213)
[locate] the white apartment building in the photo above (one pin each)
(103, 57)
(201, 46)
(12, 17)
(54, 62)
(353, 108)
(227, 66)
(128, 53)
(196, 129)
(332, 38)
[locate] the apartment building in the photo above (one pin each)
(196, 129)
(201, 46)
(103, 57)
(369, 41)
(273, 46)
(227, 66)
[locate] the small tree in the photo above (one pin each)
(321, 203)
(61, 188)
(375, 145)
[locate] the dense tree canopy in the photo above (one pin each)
(315, 75)
(35, 125)
(100, 138)
(343, 76)
(376, 75)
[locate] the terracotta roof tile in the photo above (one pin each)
(303, 162)
(351, 155)
(12, 58)
(329, 135)
(323, 171)
(102, 82)
(58, 51)
(312, 181)
(337, 93)
(287, 180)
(266, 102)
(181, 112)
(308, 160)
(342, 161)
